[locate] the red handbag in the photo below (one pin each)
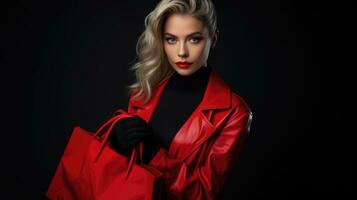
(90, 169)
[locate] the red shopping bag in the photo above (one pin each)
(90, 169)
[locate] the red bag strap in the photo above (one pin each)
(120, 110)
(133, 158)
(109, 121)
(112, 121)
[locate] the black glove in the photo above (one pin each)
(150, 150)
(128, 132)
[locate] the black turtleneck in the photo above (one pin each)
(180, 98)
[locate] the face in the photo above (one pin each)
(185, 40)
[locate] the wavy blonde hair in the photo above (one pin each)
(152, 66)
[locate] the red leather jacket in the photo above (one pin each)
(207, 145)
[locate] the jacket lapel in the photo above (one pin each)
(199, 126)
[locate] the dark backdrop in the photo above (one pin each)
(66, 63)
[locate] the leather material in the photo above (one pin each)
(208, 144)
(90, 169)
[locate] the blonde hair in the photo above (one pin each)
(152, 66)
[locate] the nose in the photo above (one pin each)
(183, 52)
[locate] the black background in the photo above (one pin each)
(66, 64)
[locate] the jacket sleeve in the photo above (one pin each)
(206, 179)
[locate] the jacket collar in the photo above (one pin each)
(216, 96)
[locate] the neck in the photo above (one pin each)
(191, 83)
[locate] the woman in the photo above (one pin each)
(191, 124)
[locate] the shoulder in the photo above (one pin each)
(236, 100)
(241, 110)
(239, 102)
(222, 91)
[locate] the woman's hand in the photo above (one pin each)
(128, 132)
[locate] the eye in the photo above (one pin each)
(170, 40)
(195, 40)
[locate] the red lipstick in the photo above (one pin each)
(183, 64)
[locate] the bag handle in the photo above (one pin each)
(120, 110)
(133, 158)
(109, 121)
(113, 121)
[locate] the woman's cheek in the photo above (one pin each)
(169, 53)
(199, 52)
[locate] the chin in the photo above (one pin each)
(186, 72)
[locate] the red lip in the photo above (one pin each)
(183, 64)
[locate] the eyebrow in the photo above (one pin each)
(194, 33)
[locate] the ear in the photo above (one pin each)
(215, 38)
